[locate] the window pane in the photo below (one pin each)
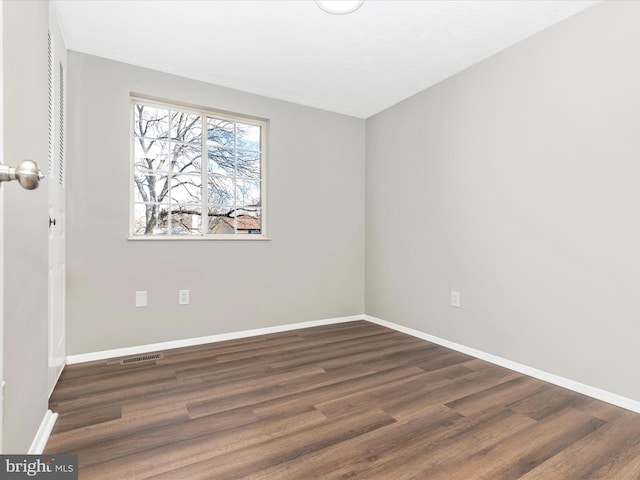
(221, 161)
(248, 136)
(247, 193)
(139, 219)
(150, 187)
(151, 154)
(249, 221)
(186, 127)
(220, 191)
(221, 225)
(221, 221)
(186, 220)
(151, 122)
(150, 218)
(186, 158)
(248, 164)
(220, 133)
(186, 189)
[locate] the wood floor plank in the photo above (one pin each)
(350, 400)
(411, 403)
(547, 401)
(288, 448)
(461, 438)
(612, 451)
(341, 381)
(331, 389)
(90, 416)
(367, 448)
(519, 453)
(142, 462)
(386, 393)
(497, 395)
(74, 440)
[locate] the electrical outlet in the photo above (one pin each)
(141, 299)
(183, 297)
(455, 299)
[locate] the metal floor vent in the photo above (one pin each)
(141, 358)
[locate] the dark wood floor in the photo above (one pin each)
(346, 401)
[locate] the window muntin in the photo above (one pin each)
(178, 194)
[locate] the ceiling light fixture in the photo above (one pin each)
(339, 7)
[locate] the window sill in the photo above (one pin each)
(217, 238)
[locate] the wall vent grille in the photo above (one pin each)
(141, 358)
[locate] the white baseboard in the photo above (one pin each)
(567, 383)
(57, 377)
(189, 342)
(43, 433)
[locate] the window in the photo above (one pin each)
(176, 193)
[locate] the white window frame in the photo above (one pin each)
(203, 112)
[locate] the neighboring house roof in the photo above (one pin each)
(245, 222)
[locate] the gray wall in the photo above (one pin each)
(25, 223)
(312, 268)
(516, 182)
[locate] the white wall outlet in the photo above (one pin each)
(183, 297)
(455, 299)
(141, 299)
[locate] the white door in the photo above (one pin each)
(57, 201)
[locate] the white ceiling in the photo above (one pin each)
(357, 64)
